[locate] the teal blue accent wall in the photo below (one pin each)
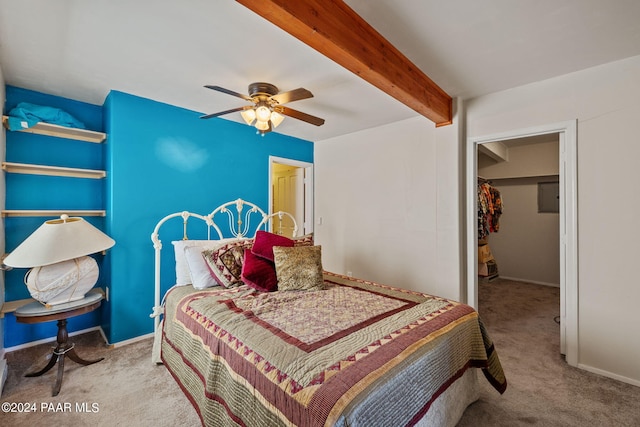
(163, 159)
(159, 159)
(46, 192)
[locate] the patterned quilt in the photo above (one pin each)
(356, 353)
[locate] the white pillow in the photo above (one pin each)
(183, 277)
(201, 277)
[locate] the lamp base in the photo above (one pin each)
(62, 282)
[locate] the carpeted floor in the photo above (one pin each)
(543, 390)
(126, 389)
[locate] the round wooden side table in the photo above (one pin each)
(35, 312)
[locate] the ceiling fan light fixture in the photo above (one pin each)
(262, 125)
(276, 119)
(263, 113)
(248, 115)
(267, 111)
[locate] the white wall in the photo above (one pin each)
(527, 246)
(606, 102)
(2, 247)
(389, 203)
(524, 159)
(2, 197)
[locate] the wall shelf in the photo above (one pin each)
(62, 132)
(31, 169)
(11, 306)
(52, 213)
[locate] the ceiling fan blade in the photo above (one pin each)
(292, 95)
(300, 115)
(229, 92)
(222, 113)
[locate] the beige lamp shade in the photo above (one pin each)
(248, 115)
(276, 119)
(59, 240)
(57, 253)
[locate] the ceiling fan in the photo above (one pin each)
(266, 107)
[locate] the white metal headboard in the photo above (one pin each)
(239, 222)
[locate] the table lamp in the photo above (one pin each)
(56, 253)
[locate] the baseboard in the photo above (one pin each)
(104, 336)
(53, 338)
(609, 375)
(131, 340)
(83, 331)
(535, 282)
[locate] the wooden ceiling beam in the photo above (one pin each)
(338, 32)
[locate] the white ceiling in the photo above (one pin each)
(166, 50)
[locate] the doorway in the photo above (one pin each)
(567, 135)
(521, 243)
(291, 190)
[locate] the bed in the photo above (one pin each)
(318, 349)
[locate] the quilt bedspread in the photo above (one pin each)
(329, 357)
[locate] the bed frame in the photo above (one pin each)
(238, 214)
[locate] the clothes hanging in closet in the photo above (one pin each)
(489, 209)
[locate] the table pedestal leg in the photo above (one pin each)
(63, 348)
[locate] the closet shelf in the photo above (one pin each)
(52, 213)
(31, 169)
(511, 178)
(62, 131)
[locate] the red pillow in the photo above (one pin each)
(265, 241)
(259, 273)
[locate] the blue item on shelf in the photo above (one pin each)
(26, 115)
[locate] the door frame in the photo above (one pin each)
(307, 227)
(568, 224)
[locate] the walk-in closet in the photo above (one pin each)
(518, 210)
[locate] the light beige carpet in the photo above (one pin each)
(128, 390)
(543, 390)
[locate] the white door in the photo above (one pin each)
(291, 190)
(288, 196)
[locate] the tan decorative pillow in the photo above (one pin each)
(298, 268)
